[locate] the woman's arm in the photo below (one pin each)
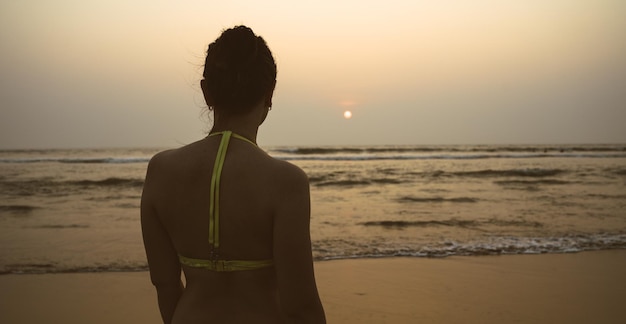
(293, 260)
(162, 257)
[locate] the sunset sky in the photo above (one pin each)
(116, 73)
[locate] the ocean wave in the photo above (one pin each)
(60, 226)
(447, 152)
(491, 173)
(492, 246)
(531, 182)
(52, 183)
(336, 249)
(43, 268)
(109, 182)
(324, 182)
(451, 223)
(343, 179)
(106, 160)
(531, 172)
(512, 222)
(541, 149)
(114, 197)
(403, 224)
(437, 199)
(383, 157)
(52, 188)
(343, 183)
(386, 181)
(78, 160)
(335, 153)
(621, 172)
(17, 209)
(604, 196)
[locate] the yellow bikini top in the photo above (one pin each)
(214, 263)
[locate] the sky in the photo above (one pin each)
(118, 73)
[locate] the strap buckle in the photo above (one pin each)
(214, 254)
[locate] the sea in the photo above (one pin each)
(77, 210)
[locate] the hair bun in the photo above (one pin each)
(236, 48)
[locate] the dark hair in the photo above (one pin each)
(239, 70)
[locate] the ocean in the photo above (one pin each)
(78, 210)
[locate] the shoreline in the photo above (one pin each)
(583, 287)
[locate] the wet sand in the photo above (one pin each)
(584, 287)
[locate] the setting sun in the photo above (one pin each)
(347, 114)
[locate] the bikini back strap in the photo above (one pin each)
(225, 265)
(214, 199)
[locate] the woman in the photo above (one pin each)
(233, 218)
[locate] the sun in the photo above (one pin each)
(347, 114)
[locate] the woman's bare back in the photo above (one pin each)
(253, 188)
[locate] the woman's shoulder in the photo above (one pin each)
(289, 168)
(172, 159)
(164, 159)
(288, 175)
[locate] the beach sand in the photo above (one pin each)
(587, 287)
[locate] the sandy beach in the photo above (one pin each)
(584, 287)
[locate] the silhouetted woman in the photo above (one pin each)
(234, 219)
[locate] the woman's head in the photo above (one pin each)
(239, 71)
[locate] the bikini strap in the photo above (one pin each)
(214, 199)
(235, 135)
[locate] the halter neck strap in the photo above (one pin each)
(235, 135)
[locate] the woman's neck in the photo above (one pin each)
(237, 124)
